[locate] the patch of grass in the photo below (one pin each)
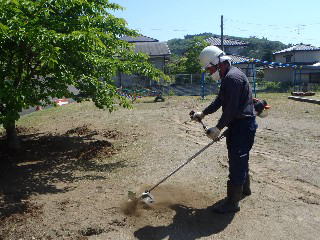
(86, 111)
(41, 119)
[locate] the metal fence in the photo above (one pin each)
(202, 85)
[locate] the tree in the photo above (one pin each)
(186, 54)
(261, 48)
(176, 65)
(257, 48)
(195, 47)
(177, 46)
(48, 45)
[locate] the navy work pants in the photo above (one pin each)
(240, 139)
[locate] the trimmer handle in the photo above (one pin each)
(224, 133)
(200, 121)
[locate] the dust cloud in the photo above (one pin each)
(164, 197)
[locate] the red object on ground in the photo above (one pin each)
(61, 101)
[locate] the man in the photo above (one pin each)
(235, 98)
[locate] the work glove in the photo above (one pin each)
(196, 116)
(213, 133)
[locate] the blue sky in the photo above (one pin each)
(285, 21)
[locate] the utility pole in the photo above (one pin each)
(222, 47)
(299, 28)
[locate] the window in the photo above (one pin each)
(288, 58)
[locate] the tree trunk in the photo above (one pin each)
(12, 137)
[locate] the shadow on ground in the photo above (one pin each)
(188, 224)
(47, 159)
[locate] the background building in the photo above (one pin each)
(158, 52)
(304, 66)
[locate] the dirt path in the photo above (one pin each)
(73, 180)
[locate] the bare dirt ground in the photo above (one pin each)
(77, 164)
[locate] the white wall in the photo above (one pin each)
(279, 74)
(288, 74)
(299, 57)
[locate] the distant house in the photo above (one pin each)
(158, 52)
(300, 54)
(231, 46)
(304, 65)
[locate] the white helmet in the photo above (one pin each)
(212, 55)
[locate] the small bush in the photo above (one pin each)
(171, 92)
(315, 87)
(274, 86)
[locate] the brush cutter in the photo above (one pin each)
(146, 196)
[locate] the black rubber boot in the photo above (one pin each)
(231, 205)
(246, 187)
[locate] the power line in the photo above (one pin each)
(264, 30)
(271, 25)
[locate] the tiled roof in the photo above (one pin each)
(138, 39)
(152, 48)
(299, 47)
(226, 42)
(238, 59)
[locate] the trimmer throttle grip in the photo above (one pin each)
(224, 134)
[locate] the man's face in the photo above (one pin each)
(211, 69)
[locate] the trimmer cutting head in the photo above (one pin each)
(145, 197)
(261, 107)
